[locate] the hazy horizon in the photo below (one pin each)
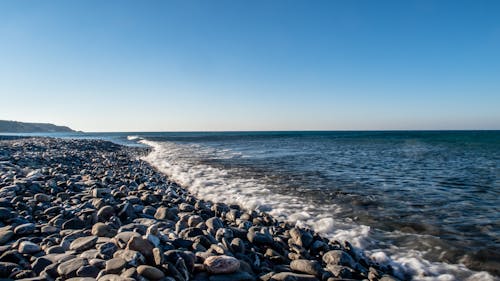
(170, 66)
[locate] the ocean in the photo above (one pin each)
(426, 202)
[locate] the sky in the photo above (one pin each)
(251, 65)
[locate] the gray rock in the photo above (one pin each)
(102, 230)
(105, 213)
(69, 268)
(27, 247)
(221, 264)
(338, 257)
(40, 197)
(237, 276)
(83, 243)
(5, 236)
(88, 271)
(115, 265)
(307, 266)
(290, 276)
(150, 272)
(25, 229)
(40, 264)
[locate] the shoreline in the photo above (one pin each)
(89, 205)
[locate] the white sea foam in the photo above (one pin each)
(178, 161)
(133, 137)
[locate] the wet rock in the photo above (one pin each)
(221, 264)
(25, 229)
(150, 272)
(40, 197)
(115, 265)
(105, 213)
(83, 243)
(307, 266)
(103, 230)
(88, 271)
(27, 247)
(290, 276)
(69, 268)
(5, 236)
(338, 257)
(237, 276)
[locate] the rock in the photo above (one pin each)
(83, 243)
(290, 276)
(40, 197)
(221, 264)
(237, 276)
(107, 250)
(81, 279)
(5, 236)
(100, 192)
(40, 264)
(5, 214)
(88, 271)
(123, 238)
(141, 245)
(111, 277)
(105, 213)
(74, 223)
(307, 266)
(115, 265)
(214, 223)
(338, 257)
(68, 269)
(49, 229)
(158, 256)
(133, 258)
(25, 229)
(27, 247)
(102, 230)
(301, 237)
(164, 213)
(150, 272)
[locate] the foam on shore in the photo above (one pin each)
(223, 185)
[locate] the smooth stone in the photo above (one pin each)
(141, 245)
(301, 237)
(5, 236)
(307, 266)
(69, 268)
(102, 230)
(83, 243)
(115, 265)
(40, 197)
(290, 276)
(123, 238)
(5, 214)
(105, 213)
(237, 276)
(214, 223)
(338, 257)
(164, 213)
(221, 264)
(158, 256)
(88, 271)
(111, 277)
(27, 247)
(25, 229)
(40, 264)
(55, 250)
(133, 258)
(150, 272)
(81, 279)
(74, 223)
(107, 250)
(49, 229)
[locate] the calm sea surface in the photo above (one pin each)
(426, 202)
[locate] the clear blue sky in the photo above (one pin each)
(251, 65)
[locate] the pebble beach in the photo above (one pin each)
(92, 210)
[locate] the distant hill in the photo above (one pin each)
(21, 127)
